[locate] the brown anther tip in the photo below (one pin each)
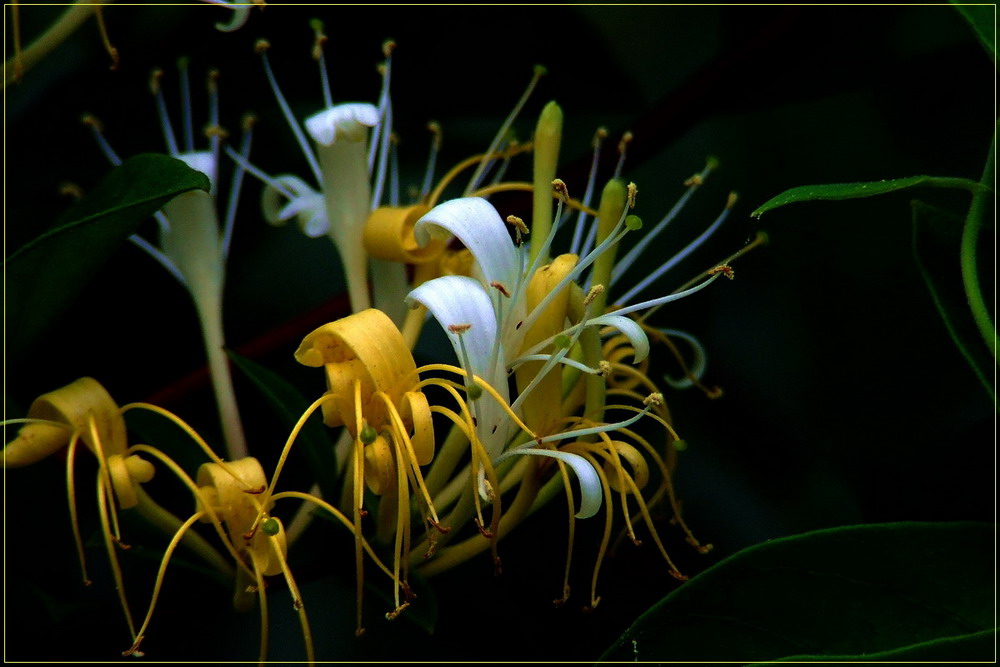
(213, 75)
(653, 399)
(518, 224)
(359, 633)
(678, 576)
(154, 81)
(362, 512)
(705, 548)
(714, 393)
(440, 528)
(592, 294)
(625, 141)
(297, 603)
(632, 189)
(408, 592)
(249, 120)
(216, 131)
(71, 190)
(600, 135)
(88, 582)
(483, 529)
(255, 492)
(459, 328)
(380, 68)
(499, 286)
(261, 46)
(694, 180)
(388, 46)
(724, 269)
(394, 138)
(121, 545)
(732, 199)
(249, 534)
(604, 368)
(559, 186)
(115, 59)
(636, 541)
(497, 567)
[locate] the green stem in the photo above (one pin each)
(970, 240)
(165, 521)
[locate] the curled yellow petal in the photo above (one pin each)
(365, 347)
(380, 466)
(635, 459)
(72, 405)
(389, 235)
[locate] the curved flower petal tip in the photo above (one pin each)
(590, 483)
(455, 300)
(632, 330)
(475, 223)
(305, 205)
(347, 121)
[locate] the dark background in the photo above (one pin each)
(845, 399)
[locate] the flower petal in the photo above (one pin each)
(475, 223)
(631, 329)
(462, 300)
(348, 121)
(305, 205)
(203, 161)
(590, 483)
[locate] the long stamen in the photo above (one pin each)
(261, 175)
(261, 48)
(383, 100)
(435, 130)
(237, 184)
(159, 256)
(109, 545)
(187, 124)
(622, 150)
(105, 39)
(578, 230)
(504, 127)
(102, 143)
(71, 495)
(384, 128)
(215, 132)
(393, 169)
(297, 603)
(632, 255)
(158, 585)
(320, 59)
(680, 256)
(161, 106)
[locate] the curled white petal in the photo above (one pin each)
(590, 484)
(305, 205)
(203, 161)
(475, 223)
(636, 336)
(697, 365)
(349, 121)
(462, 300)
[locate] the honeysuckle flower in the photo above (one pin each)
(84, 412)
(193, 243)
(518, 313)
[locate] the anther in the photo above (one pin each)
(154, 81)
(249, 120)
(394, 614)
(655, 398)
(91, 121)
(320, 42)
(459, 328)
(73, 190)
(498, 286)
(594, 292)
(216, 131)
(731, 200)
(540, 70)
(257, 491)
(600, 135)
(261, 46)
(388, 46)
(632, 190)
(724, 269)
(483, 529)
(435, 129)
(625, 141)
(559, 186)
(694, 180)
(518, 224)
(605, 367)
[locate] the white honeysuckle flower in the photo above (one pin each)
(193, 242)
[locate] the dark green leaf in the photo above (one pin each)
(289, 405)
(983, 19)
(971, 647)
(44, 275)
(841, 591)
(937, 238)
(836, 191)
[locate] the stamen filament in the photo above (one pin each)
(161, 107)
(71, 496)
